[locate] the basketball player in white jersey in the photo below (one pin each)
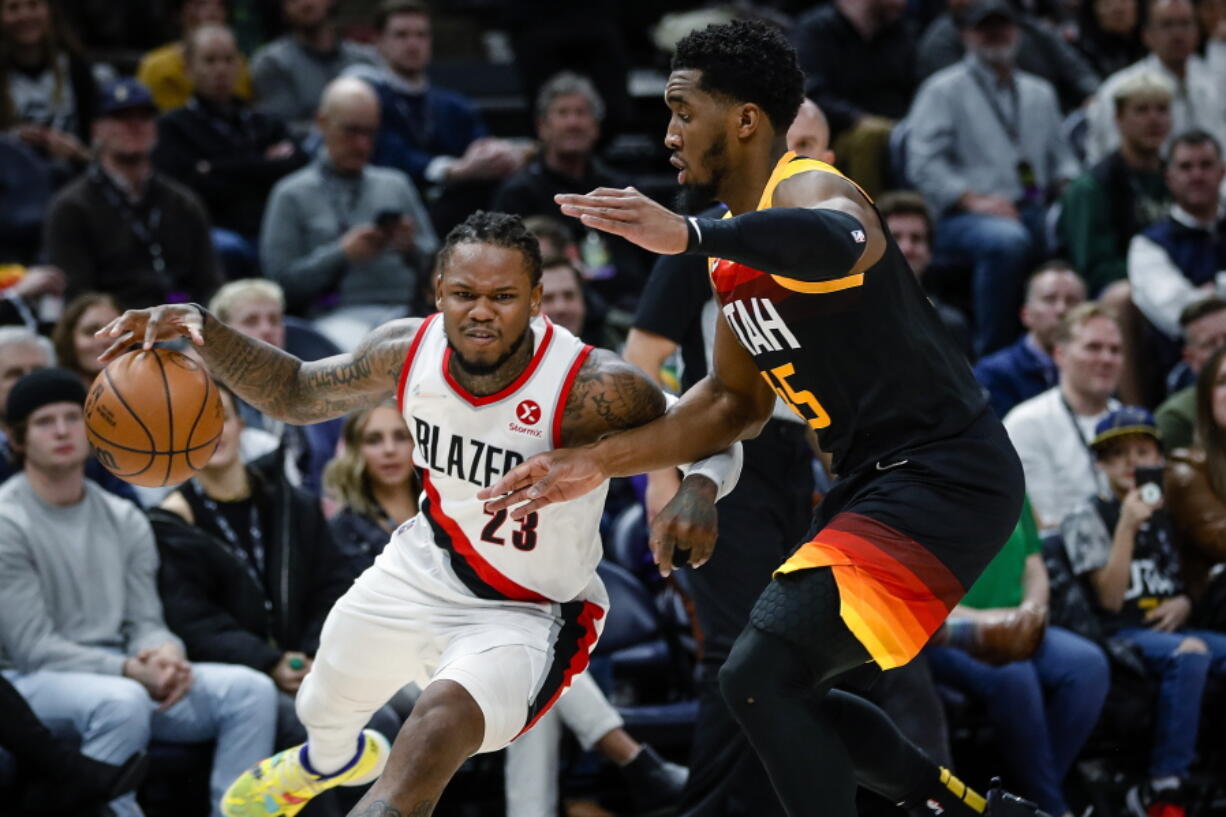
(493, 617)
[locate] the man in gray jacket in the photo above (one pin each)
(81, 631)
(347, 241)
(985, 150)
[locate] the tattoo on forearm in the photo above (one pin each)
(608, 395)
(284, 387)
(382, 808)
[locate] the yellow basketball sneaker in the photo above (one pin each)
(283, 784)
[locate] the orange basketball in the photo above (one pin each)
(153, 417)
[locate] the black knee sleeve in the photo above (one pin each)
(802, 608)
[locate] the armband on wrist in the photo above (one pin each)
(204, 313)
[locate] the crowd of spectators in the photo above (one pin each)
(1053, 172)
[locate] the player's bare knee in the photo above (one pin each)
(1192, 644)
(446, 718)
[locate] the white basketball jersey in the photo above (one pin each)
(463, 443)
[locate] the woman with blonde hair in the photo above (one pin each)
(372, 478)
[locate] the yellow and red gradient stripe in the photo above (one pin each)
(894, 592)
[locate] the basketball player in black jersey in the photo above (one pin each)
(821, 310)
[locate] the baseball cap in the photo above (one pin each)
(39, 388)
(1122, 421)
(986, 9)
(125, 94)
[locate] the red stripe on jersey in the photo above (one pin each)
(472, 399)
(560, 408)
(578, 661)
(408, 360)
(460, 545)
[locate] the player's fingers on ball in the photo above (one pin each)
(152, 327)
(115, 349)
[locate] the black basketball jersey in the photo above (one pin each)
(864, 358)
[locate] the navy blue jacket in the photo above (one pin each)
(1013, 374)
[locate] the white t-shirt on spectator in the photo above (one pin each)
(1055, 453)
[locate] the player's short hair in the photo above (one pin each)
(1079, 316)
(565, 83)
(1142, 85)
(391, 8)
(1201, 309)
(905, 203)
(746, 61)
(245, 289)
(500, 230)
(25, 336)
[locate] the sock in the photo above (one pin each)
(947, 796)
(304, 757)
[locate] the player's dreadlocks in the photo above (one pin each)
(499, 229)
(746, 61)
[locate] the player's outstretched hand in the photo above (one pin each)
(684, 531)
(630, 214)
(148, 326)
(555, 476)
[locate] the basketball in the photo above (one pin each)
(153, 417)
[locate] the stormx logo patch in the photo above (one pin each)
(858, 236)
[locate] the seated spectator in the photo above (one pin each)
(49, 89)
(987, 169)
(345, 240)
(374, 480)
(1200, 91)
(230, 155)
(81, 631)
(1051, 431)
(432, 134)
(41, 774)
(860, 63)
(1204, 332)
(1045, 692)
(123, 228)
(256, 307)
(1041, 52)
(1196, 496)
(25, 302)
(565, 301)
(27, 189)
(1109, 34)
(76, 345)
(290, 73)
(1176, 261)
(1124, 544)
(164, 71)
(568, 115)
(809, 133)
(910, 223)
(249, 571)
(1102, 209)
(22, 352)
(1025, 368)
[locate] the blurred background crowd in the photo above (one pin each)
(1052, 170)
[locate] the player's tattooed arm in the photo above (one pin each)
(282, 386)
(609, 395)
